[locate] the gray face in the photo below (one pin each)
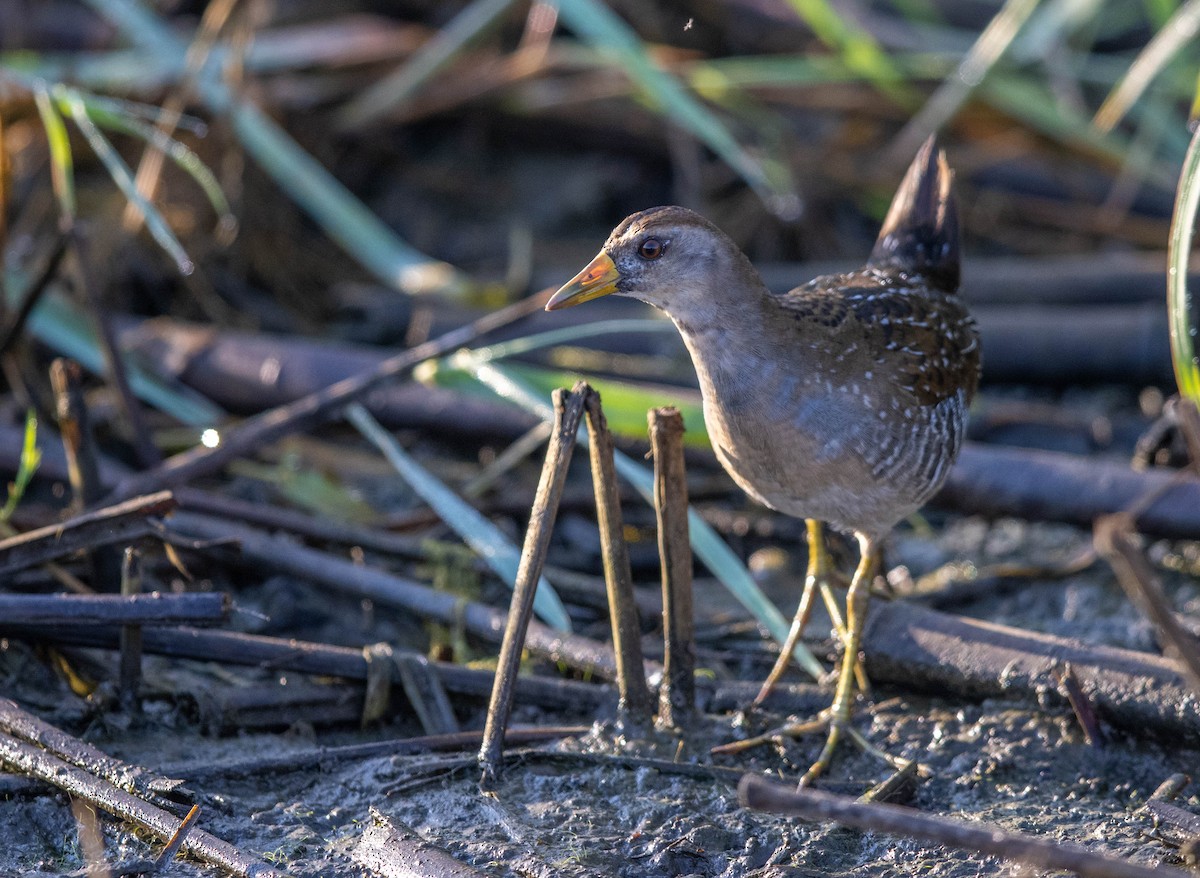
(675, 260)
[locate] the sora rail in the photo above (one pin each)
(843, 401)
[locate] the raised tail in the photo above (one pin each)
(920, 233)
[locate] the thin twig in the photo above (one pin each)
(309, 410)
(121, 523)
(131, 408)
(281, 556)
(36, 762)
(982, 838)
(289, 654)
(568, 411)
(15, 325)
(1114, 540)
(176, 841)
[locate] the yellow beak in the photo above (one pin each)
(598, 279)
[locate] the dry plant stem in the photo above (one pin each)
(1081, 705)
(1114, 540)
(392, 850)
(578, 587)
(762, 795)
(677, 698)
(79, 445)
(21, 724)
(287, 654)
(135, 422)
(568, 411)
(176, 841)
(325, 756)
(195, 608)
(15, 324)
(131, 635)
(618, 577)
(282, 556)
(309, 410)
(74, 425)
(1189, 425)
(31, 760)
(121, 523)
(149, 169)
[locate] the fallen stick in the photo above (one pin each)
(154, 608)
(907, 644)
(28, 759)
(1050, 486)
(314, 658)
(313, 408)
(120, 523)
(284, 556)
(393, 850)
(975, 837)
(20, 723)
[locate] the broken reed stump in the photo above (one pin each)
(568, 412)
(677, 697)
(635, 702)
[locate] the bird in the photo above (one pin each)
(843, 401)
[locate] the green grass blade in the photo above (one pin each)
(62, 165)
(599, 26)
(476, 531)
(950, 96)
(186, 159)
(706, 543)
(857, 49)
(31, 457)
(1179, 298)
(306, 181)
(156, 224)
(1180, 31)
(393, 90)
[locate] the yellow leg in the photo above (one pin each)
(856, 613)
(817, 575)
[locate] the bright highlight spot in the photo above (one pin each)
(210, 438)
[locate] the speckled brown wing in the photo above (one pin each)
(923, 337)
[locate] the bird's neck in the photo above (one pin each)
(726, 339)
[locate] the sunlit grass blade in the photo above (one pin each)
(706, 543)
(625, 402)
(603, 29)
(31, 458)
(1180, 31)
(1179, 297)
(185, 158)
(156, 224)
(62, 166)
(857, 49)
(488, 541)
(61, 327)
(306, 181)
(393, 90)
(950, 96)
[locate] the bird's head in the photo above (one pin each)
(669, 257)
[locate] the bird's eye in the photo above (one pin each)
(651, 248)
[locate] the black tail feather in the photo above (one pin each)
(920, 233)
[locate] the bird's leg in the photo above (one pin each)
(817, 575)
(856, 612)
